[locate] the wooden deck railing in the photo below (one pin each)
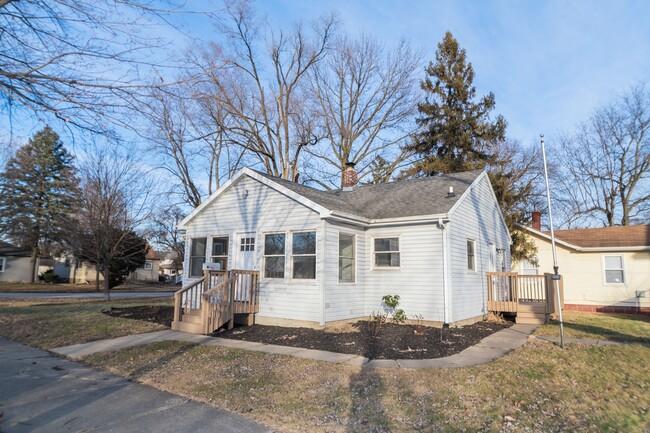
(502, 291)
(218, 296)
(507, 289)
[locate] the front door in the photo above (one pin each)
(245, 247)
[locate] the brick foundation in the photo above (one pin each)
(607, 309)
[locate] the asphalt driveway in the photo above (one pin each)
(41, 393)
(90, 295)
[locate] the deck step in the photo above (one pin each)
(530, 318)
(194, 328)
(191, 318)
(538, 308)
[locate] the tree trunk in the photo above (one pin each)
(97, 278)
(33, 262)
(107, 287)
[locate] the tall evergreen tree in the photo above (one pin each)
(37, 193)
(456, 131)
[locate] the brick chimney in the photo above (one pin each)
(537, 220)
(349, 180)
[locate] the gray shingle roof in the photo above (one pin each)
(7, 249)
(404, 198)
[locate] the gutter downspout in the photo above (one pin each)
(445, 273)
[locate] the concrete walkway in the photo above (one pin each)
(42, 393)
(488, 349)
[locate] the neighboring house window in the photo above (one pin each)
(274, 248)
(148, 266)
(247, 244)
(303, 251)
(3, 261)
(471, 255)
(220, 252)
(197, 257)
(529, 268)
(387, 252)
(614, 273)
(346, 258)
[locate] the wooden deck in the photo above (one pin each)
(532, 298)
(215, 300)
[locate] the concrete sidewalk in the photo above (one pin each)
(490, 348)
(42, 393)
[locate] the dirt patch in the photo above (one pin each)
(393, 341)
(163, 315)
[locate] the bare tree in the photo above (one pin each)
(79, 61)
(165, 232)
(365, 99)
(604, 168)
(114, 203)
(264, 93)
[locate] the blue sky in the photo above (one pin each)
(549, 63)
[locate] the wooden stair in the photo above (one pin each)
(531, 313)
(190, 322)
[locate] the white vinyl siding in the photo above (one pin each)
(265, 210)
(613, 271)
(476, 217)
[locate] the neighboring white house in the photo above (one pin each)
(325, 256)
(15, 263)
(605, 269)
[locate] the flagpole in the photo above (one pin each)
(555, 275)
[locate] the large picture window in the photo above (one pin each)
(387, 252)
(197, 257)
(274, 249)
(220, 252)
(346, 258)
(614, 273)
(303, 250)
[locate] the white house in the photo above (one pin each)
(326, 256)
(15, 263)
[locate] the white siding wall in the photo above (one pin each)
(418, 280)
(477, 217)
(344, 300)
(263, 210)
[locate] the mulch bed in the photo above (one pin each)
(392, 342)
(149, 313)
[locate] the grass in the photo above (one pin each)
(47, 324)
(6, 287)
(613, 327)
(536, 388)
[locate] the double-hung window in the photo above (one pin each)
(303, 255)
(471, 255)
(530, 267)
(147, 265)
(220, 252)
(197, 257)
(614, 273)
(274, 250)
(387, 253)
(346, 258)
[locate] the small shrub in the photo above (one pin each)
(392, 302)
(375, 320)
(48, 276)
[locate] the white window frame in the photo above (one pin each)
(264, 256)
(292, 255)
(148, 265)
(189, 268)
(226, 256)
(472, 269)
(354, 258)
(622, 269)
(373, 252)
(535, 267)
(3, 261)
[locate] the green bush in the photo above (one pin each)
(48, 276)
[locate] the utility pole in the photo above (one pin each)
(555, 276)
